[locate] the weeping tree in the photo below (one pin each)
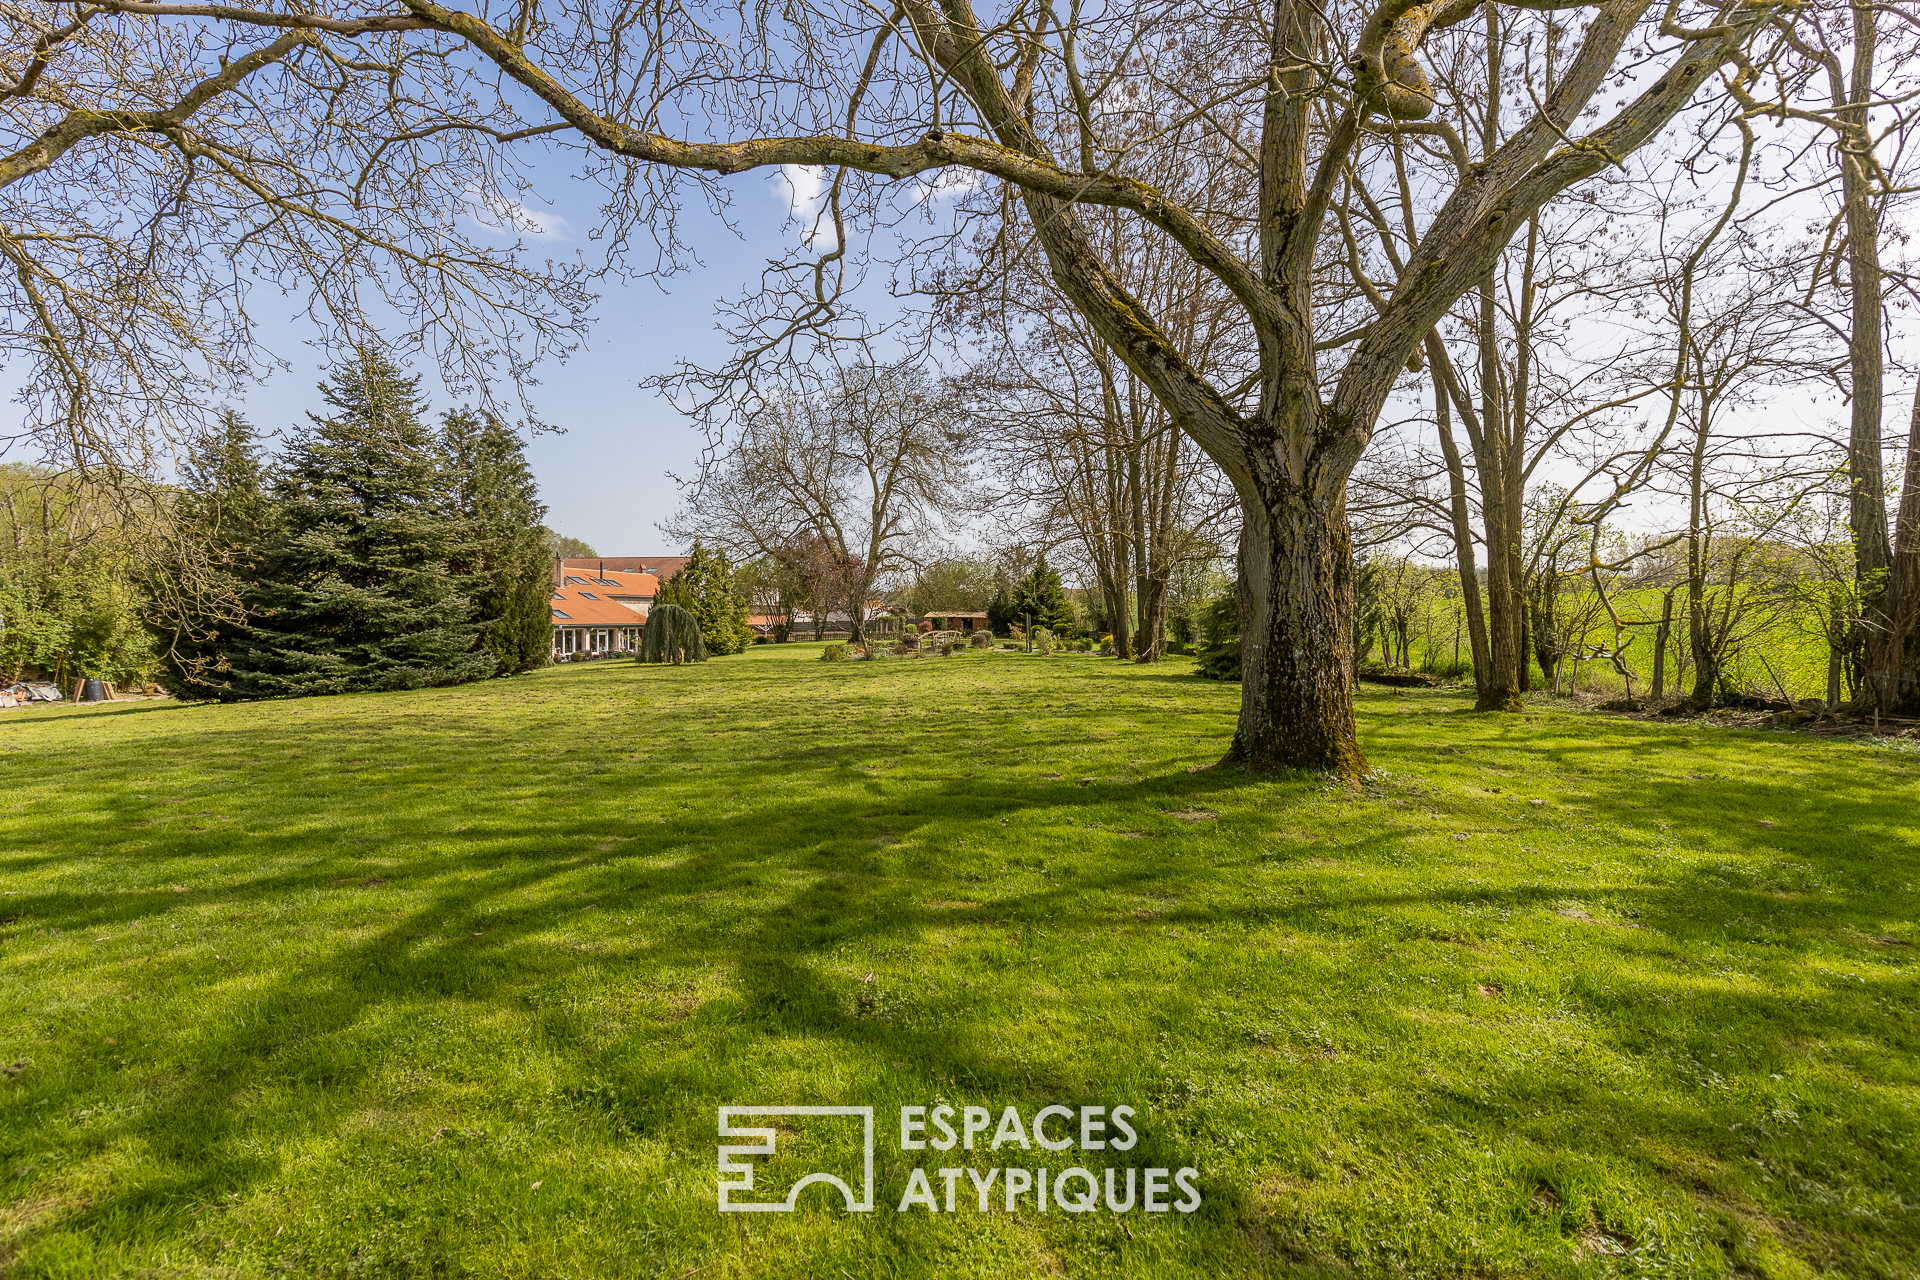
(673, 636)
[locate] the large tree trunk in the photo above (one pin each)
(1700, 638)
(1660, 638)
(1151, 644)
(1113, 595)
(1903, 580)
(1867, 504)
(1540, 631)
(1296, 612)
(1506, 604)
(1502, 429)
(1157, 540)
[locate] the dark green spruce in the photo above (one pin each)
(355, 592)
(1000, 610)
(504, 553)
(1040, 596)
(224, 516)
(1218, 657)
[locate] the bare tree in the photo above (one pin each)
(1079, 452)
(163, 174)
(1503, 369)
(1854, 78)
(864, 469)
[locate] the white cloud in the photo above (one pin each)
(803, 189)
(946, 184)
(510, 217)
(800, 187)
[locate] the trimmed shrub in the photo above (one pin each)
(981, 639)
(834, 653)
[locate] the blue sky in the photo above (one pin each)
(604, 477)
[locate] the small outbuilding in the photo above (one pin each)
(946, 620)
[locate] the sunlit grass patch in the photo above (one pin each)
(328, 987)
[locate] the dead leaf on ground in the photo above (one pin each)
(1604, 1241)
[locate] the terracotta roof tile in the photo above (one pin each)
(591, 607)
(657, 566)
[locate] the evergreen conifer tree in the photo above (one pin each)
(671, 635)
(1041, 595)
(495, 498)
(355, 592)
(707, 588)
(1000, 610)
(1219, 651)
(224, 515)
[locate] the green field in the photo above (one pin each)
(1779, 650)
(452, 982)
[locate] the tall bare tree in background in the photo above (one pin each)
(1853, 76)
(863, 467)
(1077, 448)
(1505, 368)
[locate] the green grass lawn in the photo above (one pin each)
(453, 982)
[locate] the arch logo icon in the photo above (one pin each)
(738, 1175)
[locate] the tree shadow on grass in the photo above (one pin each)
(768, 895)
